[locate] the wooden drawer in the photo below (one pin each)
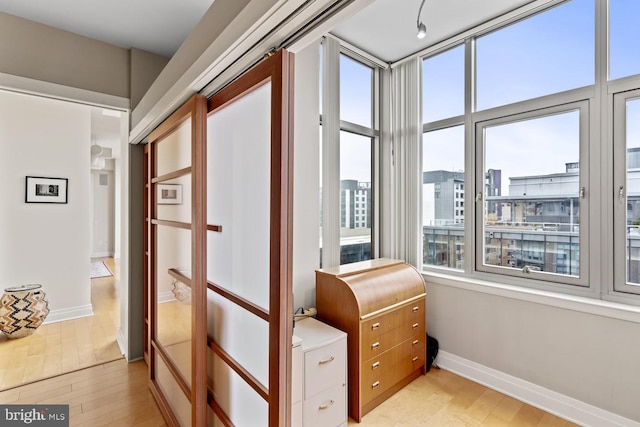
(398, 326)
(327, 408)
(406, 314)
(324, 367)
(382, 372)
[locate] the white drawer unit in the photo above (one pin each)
(324, 373)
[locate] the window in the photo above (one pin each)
(356, 130)
(521, 234)
(623, 35)
(552, 51)
(443, 229)
(627, 140)
(443, 85)
(549, 198)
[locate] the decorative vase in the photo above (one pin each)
(22, 310)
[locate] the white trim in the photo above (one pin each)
(57, 91)
(69, 313)
(103, 255)
(120, 339)
(166, 297)
(597, 307)
(550, 401)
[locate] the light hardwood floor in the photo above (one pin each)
(66, 346)
(117, 394)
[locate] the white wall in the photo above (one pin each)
(306, 176)
(103, 213)
(589, 357)
(46, 243)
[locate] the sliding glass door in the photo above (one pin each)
(219, 214)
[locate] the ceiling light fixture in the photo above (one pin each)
(422, 29)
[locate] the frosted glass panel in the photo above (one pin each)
(238, 400)
(174, 151)
(238, 188)
(173, 318)
(174, 199)
(173, 394)
(227, 322)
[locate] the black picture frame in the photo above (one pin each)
(39, 189)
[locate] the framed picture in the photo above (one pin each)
(46, 190)
(169, 194)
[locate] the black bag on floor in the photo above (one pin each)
(432, 351)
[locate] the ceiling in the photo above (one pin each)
(386, 29)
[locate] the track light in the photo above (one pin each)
(422, 29)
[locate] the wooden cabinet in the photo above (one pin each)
(380, 304)
(324, 374)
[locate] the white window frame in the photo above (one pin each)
(620, 99)
(331, 126)
(532, 277)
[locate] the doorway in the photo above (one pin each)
(50, 244)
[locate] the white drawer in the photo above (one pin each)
(327, 408)
(325, 367)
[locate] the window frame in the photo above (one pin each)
(620, 190)
(532, 277)
(332, 84)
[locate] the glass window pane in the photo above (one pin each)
(531, 197)
(633, 191)
(356, 92)
(174, 151)
(547, 53)
(624, 33)
(238, 196)
(443, 190)
(443, 85)
(173, 317)
(356, 197)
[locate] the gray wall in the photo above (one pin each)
(40, 52)
(145, 67)
(589, 357)
(36, 51)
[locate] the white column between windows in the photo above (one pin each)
(331, 153)
(406, 170)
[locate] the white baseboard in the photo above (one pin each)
(550, 401)
(103, 255)
(166, 297)
(121, 343)
(69, 313)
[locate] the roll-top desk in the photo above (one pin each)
(380, 304)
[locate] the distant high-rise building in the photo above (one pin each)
(355, 204)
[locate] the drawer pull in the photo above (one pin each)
(415, 342)
(375, 326)
(327, 405)
(375, 365)
(415, 309)
(375, 345)
(415, 359)
(376, 384)
(415, 325)
(324, 362)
